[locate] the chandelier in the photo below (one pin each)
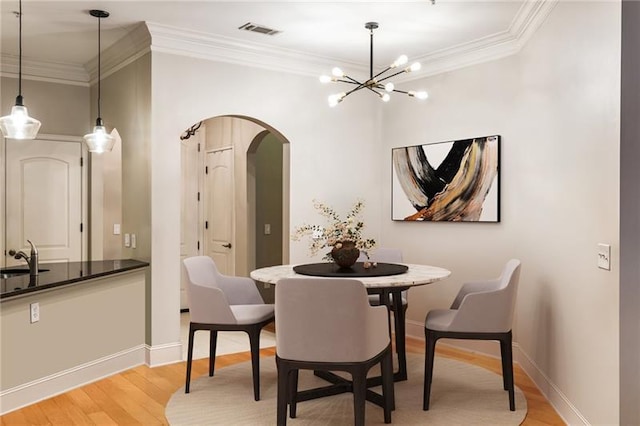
(377, 83)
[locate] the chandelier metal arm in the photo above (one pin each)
(354, 81)
(381, 72)
(390, 76)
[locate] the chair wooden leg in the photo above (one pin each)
(254, 343)
(282, 391)
(359, 394)
(387, 386)
(507, 362)
(430, 348)
(189, 358)
(503, 358)
(213, 340)
(293, 393)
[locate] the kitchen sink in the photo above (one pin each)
(15, 272)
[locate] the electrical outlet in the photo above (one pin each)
(116, 229)
(267, 229)
(35, 312)
(604, 256)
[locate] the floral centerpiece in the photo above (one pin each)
(344, 237)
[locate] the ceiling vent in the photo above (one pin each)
(250, 26)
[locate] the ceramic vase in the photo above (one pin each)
(345, 254)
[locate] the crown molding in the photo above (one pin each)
(529, 18)
(133, 45)
(149, 36)
(194, 44)
(48, 71)
(178, 41)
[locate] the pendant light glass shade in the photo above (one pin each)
(99, 140)
(19, 125)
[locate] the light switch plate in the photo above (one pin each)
(267, 229)
(604, 256)
(134, 242)
(127, 240)
(116, 229)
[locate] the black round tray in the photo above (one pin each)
(329, 269)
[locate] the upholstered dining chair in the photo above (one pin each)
(384, 255)
(387, 255)
(482, 310)
(222, 303)
(351, 336)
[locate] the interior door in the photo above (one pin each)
(190, 215)
(219, 210)
(44, 199)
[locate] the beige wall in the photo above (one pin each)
(556, 105)
(78, 324)
(121, 177)
(61, 108)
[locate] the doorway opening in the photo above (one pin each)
(235, 196)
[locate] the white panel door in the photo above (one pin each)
(189, 207)
(44, 199)
(219, 210)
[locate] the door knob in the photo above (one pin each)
(228, 245)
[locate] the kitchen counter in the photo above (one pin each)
(64, 274)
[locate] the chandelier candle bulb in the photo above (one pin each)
(399, 62)
(414, 67)
(337, 72)
(389, 87)
(325, 79)
(418, 95)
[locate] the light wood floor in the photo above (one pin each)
(139, 396)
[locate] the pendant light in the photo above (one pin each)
(99, 140)
(19, 125)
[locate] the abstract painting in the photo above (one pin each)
(454, 181)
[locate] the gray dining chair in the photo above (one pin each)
(351, 336)
(387, 255)
(482, 310)
(222, 303)
(384, 255)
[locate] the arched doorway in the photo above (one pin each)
(239, 212)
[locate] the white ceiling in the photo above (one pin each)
(64, 32)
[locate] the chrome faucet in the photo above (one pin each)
(32, 260)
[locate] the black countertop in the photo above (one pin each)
(65, 273)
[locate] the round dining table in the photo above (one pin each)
(388, 287)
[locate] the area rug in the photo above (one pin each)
(461, 394)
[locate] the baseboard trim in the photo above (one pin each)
(63, 381)
(569, 413)
(558, 400)
(158, 355)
